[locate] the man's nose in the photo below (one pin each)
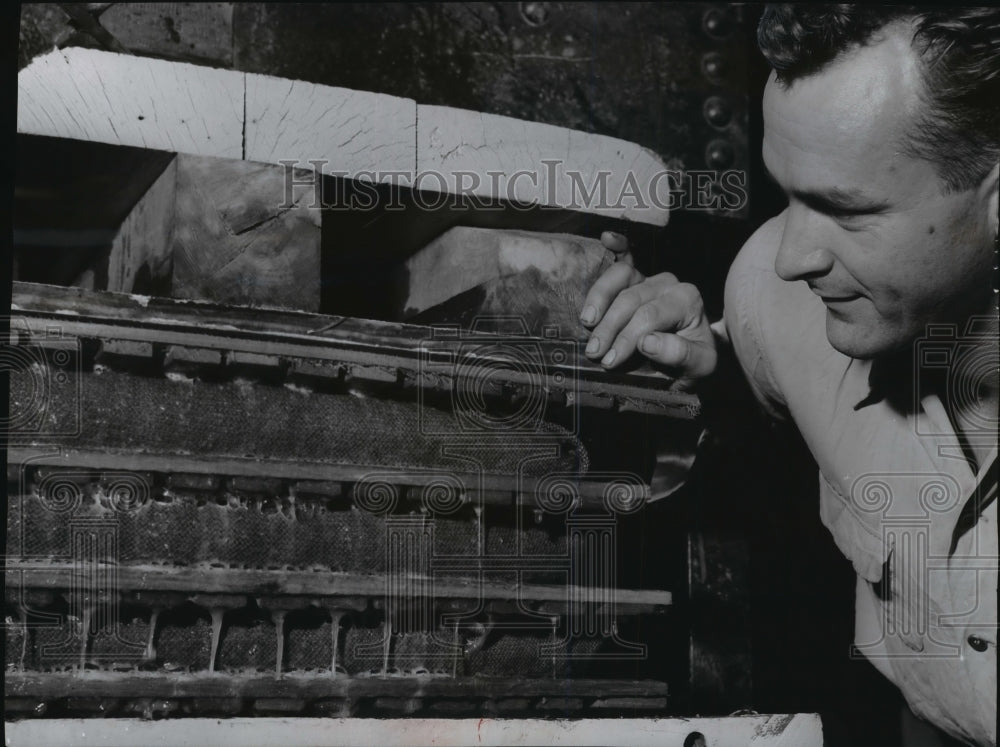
(804, 251)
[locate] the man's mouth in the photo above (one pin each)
(835, 297)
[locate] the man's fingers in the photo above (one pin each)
(614, 242)
(692, 358)
(642, 309)
(603, 292)
(620, 312)
(617, 245)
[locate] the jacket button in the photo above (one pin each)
(977, 643)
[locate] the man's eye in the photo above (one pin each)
(851, 219)
(846, 214)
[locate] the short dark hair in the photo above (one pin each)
(960, 50)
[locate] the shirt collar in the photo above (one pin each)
(892, 378)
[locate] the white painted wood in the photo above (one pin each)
(87, 94)
(451, 141)
(351, 131)
(798, 730)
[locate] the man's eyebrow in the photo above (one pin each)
(836, 199)
(833, 199)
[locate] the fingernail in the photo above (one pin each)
(588, 315)
(649, 344)
(593, 346)
(608, 359)
(616, 242)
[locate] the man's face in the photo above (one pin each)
(868, 227)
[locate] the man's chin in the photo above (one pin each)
(853, 339)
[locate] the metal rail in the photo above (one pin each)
(384, 351)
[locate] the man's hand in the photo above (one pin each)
(663, 318)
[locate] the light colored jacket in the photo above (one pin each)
(893, 483)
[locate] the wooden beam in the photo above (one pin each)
(520, 491)
(791, 730)
(342, 131)
(238, 581)
(86, 94)
(121, 99)
(556, 166)
(318, 686)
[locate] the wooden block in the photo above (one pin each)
(316, 369)
(192, 481)
(350, 131)
(86, 94)
(241, 358)
(560, 704)
(541, 278)
(450, 141)
(223, 601)
(279, 705)
(372, 373)
(71, 201)
(267, 486)
(176, 354)
(333, 707)
(185, 31)
(453, 707)
(323, 488)
(509, 705)
(398, 706)
(141, 254)
(629, 704)
(241, 239)
(132, 355)
(127, 348)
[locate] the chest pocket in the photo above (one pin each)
(904, 521)
(903, 590)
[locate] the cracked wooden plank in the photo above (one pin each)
(348, 132)
(86, 94)
(126, 100)
(99, 96)
(803, 730)
(539, 164)
(246, 234)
